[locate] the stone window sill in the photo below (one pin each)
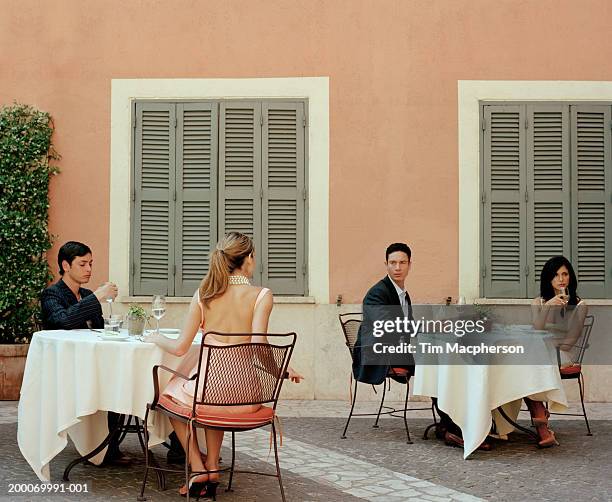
(187, 299)
(528, 301)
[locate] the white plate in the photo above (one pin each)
(168, 333)
(114, 338)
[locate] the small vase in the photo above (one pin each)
(136, 326)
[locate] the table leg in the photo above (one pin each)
(161, 476)
(531, 433)
(95, 451)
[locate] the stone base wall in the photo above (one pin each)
(323, 358)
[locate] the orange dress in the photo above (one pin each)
(182, 391)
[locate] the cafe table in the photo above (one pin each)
(472, 394)
(72, 379)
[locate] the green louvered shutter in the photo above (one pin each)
(548, 186)
(503, 202)
(240, 172)
(283, 180)
(196, 195)
(153, 208)
(591, 200)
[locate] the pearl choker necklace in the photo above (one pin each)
(239, 279)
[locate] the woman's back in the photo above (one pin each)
(232, 312)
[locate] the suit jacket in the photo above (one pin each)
(62, 310)
(382, 294)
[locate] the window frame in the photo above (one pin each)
(482, 190)
(262, 101)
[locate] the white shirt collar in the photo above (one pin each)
(400, 292)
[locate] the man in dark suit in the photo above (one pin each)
(67, 305)
(385, 301)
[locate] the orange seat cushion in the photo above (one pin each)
(402, 372)
(575, 369)
(262, 416)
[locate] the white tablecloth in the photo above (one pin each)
(469, 393)
(71, 379)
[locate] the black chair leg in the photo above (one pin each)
(187, 476)
(278, 472)
(141, 497)
(586, 420)
(382, 402)
(229, 485)
(409, 441)
(351, 412)
(435, 420)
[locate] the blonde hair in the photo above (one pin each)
(228, 255)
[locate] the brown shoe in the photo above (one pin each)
(123, 461)
(453, 440)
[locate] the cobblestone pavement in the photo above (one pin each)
(371, 464)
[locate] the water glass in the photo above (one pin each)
(112, 325)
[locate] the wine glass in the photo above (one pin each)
(158, 308)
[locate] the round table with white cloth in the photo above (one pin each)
(71, 379)
(471, 393)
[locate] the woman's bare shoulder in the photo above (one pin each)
(538, 301)
(260, 291)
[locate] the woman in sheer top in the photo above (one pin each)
(225, 303)
(560, 311)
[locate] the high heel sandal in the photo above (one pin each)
(551, 440)
(548, 442)
(196, 488)
(211, 490)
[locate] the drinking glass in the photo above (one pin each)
(109, 299)
(158, 308)
(112, 325)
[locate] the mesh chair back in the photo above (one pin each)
(350, 323)
(583, 342)
(242, 373)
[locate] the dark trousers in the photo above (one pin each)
(176, 451)
(113, 446)
(446, 423)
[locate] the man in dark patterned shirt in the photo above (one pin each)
(66, 305)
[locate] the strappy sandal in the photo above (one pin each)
(551, 440)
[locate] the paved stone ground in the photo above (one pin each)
(371, 464)
(516, 470)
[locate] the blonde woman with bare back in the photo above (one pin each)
(225, 303)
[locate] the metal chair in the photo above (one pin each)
(228, 375)
(350, 323)
(574, 370)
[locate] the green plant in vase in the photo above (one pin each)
(136, 319)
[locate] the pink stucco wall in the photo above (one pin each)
(393, 68)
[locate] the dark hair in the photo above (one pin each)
(549, 271)
(69, 251)
(398, 246)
